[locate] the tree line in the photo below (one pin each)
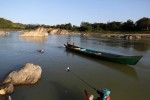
(142, 24)
(7, 24)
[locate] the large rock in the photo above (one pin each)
(6, 88)
(35, 33)
(44, 32)
(29, 74)
(64, 32)
(2, 33)
(54, 31)
(138, 37)
(57, 31)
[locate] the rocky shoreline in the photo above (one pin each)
(44, 32)
(3, 33)
(123, 36)
(57, 31)
(38, 32)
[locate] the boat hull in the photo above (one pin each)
(130, 60)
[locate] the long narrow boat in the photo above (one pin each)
(129, 60)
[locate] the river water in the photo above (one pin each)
(125, 82)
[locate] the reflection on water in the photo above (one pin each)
(57, 84)
(139, 45)
(142, 46)
(34, 39)
(124, 69)
(63, 93)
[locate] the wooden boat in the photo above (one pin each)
(130, 60)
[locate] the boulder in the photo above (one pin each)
(138, 37)
(29, 74)
(2, 33)
(57, 31)
(2, 92)
(44, 32)
(64, 32)
(6, 88)
(130, 37)
(37, 32)
(54, 31)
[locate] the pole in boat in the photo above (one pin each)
(68, 70)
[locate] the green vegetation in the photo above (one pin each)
(142, 24)
(7, 24)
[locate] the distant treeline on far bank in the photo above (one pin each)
(142, 24)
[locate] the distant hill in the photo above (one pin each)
(7, 24)
(142, 24)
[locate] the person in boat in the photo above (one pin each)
(70, 44)
(103, 94)
(41, 51)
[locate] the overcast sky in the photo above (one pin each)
(52, 12)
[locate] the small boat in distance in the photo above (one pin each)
(122, 59)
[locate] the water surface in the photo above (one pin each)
(125, 82)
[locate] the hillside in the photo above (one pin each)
(7, 24)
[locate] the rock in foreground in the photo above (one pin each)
(29, 74)
(6, 88)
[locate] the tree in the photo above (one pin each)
(143, 24)
(114, 26)
(68, 26)
(129, 25)
(75, 28)
(86, 26)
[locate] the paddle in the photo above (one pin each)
(68, 70)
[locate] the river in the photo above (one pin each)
(124, 81)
